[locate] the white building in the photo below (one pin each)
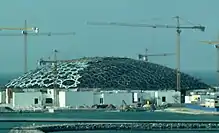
(76, 99)
(26, 99)
(145, 96)
(169, 96)
(200, 98)
(212, 103)
(113, 98)
(69, 98)
(88, 98)
(2, 97)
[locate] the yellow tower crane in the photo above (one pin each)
(216, 44)
(178, 28)
(35, 30)
(25, 33)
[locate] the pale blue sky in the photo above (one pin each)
(71, 15)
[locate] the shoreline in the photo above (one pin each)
(189, 111)
(179, 110)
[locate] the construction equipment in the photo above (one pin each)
(25, 34)
(144, 57)
(216, 44)
(178, 28)
(125, 107)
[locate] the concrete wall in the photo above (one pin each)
(26, 99)
(170, 96)
(75, 99)
(89, 98)
(116, 98)
(2, 97)
(147, 95)
(62, 99)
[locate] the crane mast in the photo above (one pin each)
(55, 68)
(55, 79)
(25, 46)
(178, 74)
(25, 33)
(34, 29)
(178, 28)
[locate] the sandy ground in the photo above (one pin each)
(189, 111)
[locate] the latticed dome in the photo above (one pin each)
(105, 73)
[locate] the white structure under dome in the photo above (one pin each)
(89, 98)
(2, 97)
(113, 98)
(173, 97)
(27, 99)
(69, 98)
(76, 99)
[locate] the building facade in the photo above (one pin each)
(27, 99)
(114, 98)
(76, 99)
(170, 96)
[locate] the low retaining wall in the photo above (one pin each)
(149, 126)
(21, 130)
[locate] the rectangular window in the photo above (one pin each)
(133, 99)
(139, 99)
(36, 101)
(49, 100)
(101, 100)
(163, 99)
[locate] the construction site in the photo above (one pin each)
(96, 82)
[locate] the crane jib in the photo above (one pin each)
(202, 28)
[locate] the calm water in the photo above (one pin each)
(105, 115)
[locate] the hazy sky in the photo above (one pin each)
(71, 15)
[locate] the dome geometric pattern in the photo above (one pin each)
(105, 73)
